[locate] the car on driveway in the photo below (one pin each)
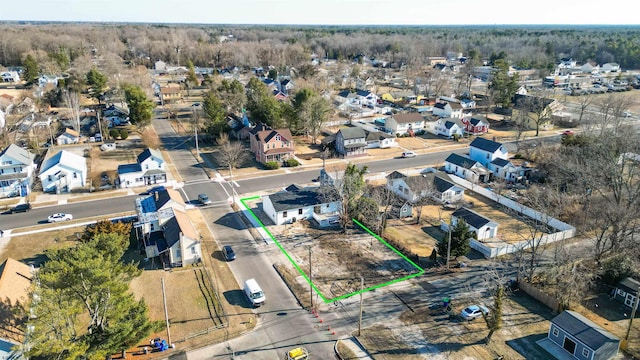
(228, 253)
(20, 208)
(567, 132)
(204, 199)
(408, 154)
(473, 312)
(59, 217)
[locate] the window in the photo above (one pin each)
(75, 175)
(194, 251)
(487, 156)
(299, 211)
(178, 254)
(585, 353)
(555, 332)
(8, 162)
(621, 292)
(49, 178)
(284, 214)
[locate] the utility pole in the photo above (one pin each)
(633, 314)
(166, 313)
(310, 280)
(449, 247)
(361, 302)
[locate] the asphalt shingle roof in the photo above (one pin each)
(304, 197)
(352, 133)
(485, 144)
(583, 329)
(460, 160)
(470, 217)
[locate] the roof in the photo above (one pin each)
(630, 284)
(267, 135)
(501, 162)
(470, 217)
(450, 122)
(363, 93)
(440, 105)
(352, 132)
(460, 160)
(475, 121)
(408, 118)
(304, 197)
(19, 154)
(162, 197)
(70, 132)
(129, 168)
(15, 281)
(346, 94)
(259, 127)
(66, 158)
(583, 329)
(377, 135)
(148, 153)
(485, 144)
(185, 225)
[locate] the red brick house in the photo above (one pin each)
(475, 126)
(272, 145)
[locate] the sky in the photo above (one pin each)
(331, 12)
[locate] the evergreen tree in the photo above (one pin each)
(97, 83)
(192, 79)
(31, 71)
(140, 107)
(262, 105)
(215, 113)
(460, 240)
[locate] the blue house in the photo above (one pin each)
(573, 336)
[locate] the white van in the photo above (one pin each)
(254, 292)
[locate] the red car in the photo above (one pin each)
(567, 132)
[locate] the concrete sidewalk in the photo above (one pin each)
(355, 347)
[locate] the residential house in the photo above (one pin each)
(482, 226)
(573, 336)
(318, 203)
(271, 84)
(366, 97)
(15, 292)
(485, 151)
(10, 77)
(165, 229)
(449, 127)
(366, 84)
(508, 170)
(69, 136)
(475, 125)
(272, 145)
(170, 93)
(536, 108)
(149, 169)
(346, 97)
(466, 168)
(437, 186)
(63, 172)
(408, 123)
(379, 139)
(567, 63)
(114, 116)
(448, 109)
(351, 141)
(626, 292)
(403, 97)
(48, 81)
(468, 104)
(16, 171)
(610, 67)
(286, 86)
(280, 96)
(332, 174)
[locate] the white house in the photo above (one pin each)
(379, 139)
(10, 77)
(505, 169)
(466, 168)
(482, 226)
(16, 171)
(610, 67)
(438, 186)
(448, 109)
(69, 136)
(63, 172)
(366, 97)
(298, 203)
(45, 80)
(449, 127)
(150, 169)
(485, 151)
(401, 124)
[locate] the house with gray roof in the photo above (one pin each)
(485, 151)
(149, 169)
(63, 172)
(573, 336)
(466, 168)
(351, 141)
(320, 203)
(16, 171)
(408, 123)
(435, 185)
(626, 292)
(449, 127)
(482, 226)
(379, 139)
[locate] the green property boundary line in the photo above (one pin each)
(420, 270)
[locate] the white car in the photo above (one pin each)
(408, 154)
(473, 312)
(60, 217)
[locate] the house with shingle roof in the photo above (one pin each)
(379, 139)
(321, 204)
(351, 141)
(626, 291)
(482, 226)
(448, 109)
(15, 294)
(271, 145)
(449, 127)
(573, 336)
(485, 151)
(63, 172)
(69, 136)
(16, 171)
(466, 168)
(435, 185)
(149, 169)
(475, 125)
(408, 123)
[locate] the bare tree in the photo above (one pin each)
(72, 100)
(386, 199)
(231, 155)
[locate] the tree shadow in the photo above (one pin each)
(232, 221)
(609, 308)
(527, 347)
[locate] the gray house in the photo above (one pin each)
(573, 336)
(351, 141)
(626, 291)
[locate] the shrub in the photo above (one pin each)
(615, 269)
(517, 156)
(114, 133)
(291, 163)
(124, 134)
(271, 165)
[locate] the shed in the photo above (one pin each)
(626, 291)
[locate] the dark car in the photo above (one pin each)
(228, 253)
(21, 208)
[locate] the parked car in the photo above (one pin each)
(60, 217)
(228, 253)
(408, 154)
(567, 132)
(473, 312)
(20, 208)
(108, 146)
(204, 199)
(626, 114)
